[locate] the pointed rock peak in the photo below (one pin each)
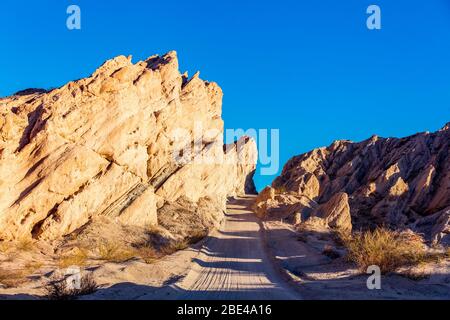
(446, 127)
(337, 144)
(195, 79)
(155, 61)
(112, 65)
(171, 55)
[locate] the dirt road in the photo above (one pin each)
(233, 263)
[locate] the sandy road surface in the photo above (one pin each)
(233, 263)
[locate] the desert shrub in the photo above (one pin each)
(77, 258)
(25, 245)
(196, 236)
(12, 278)
(60, 290)
(147, 253)
(32, 266)
(114, 252)
(4, 247)
(176, 246)
(384, 248)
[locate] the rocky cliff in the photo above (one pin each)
(119, 144)
(400, 183)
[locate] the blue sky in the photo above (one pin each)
(308, 68)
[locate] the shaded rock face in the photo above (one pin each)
(400, 183)
(106, 146)
(336, 212)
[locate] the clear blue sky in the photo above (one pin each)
(309, 68)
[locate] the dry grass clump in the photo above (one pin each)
(4, 247)
(194, 237)
(12, 278)
(148, 254)
(175, 246)
(77, 258)
(384, 248)
(61, 290)
(32, 266)
(25, 245)
(114, 252)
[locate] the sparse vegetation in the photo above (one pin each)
(114, 252)
(12, 278)
(32, 266)
(181, 244)
(60, 290)
(148, 254)
(4, 247)
(197, 236)
(77, 258)
(385, 248)
(25, 245)
(176, 246)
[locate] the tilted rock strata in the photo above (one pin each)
(401, 183)
(104, 145)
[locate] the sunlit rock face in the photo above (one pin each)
(108, 145)
(401, 183)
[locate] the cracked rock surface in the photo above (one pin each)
(104, 146)
(402, 183)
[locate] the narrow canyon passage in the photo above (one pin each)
(233, 263)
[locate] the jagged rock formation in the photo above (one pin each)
(336, 212)
(115, 144)
(401, 183)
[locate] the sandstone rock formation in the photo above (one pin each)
(283, 205)
(114, 145)
(401, 183)
(336, 212)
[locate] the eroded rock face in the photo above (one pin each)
(336, 213)
(107, 146)
(400, 183)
